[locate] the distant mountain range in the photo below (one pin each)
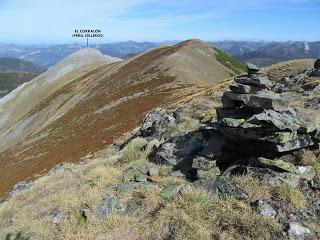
(14, 72)
(19, 65)
(281, 51)
(258, 52)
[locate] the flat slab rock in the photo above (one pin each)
(269, 149)
(258, 134)
(265, 101)
(281, 121)
(257, 81)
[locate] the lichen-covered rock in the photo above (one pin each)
(281, 121)
(221, 186)
(107, 206)
(156, 123)
(202, 163)
(172, 191)
(275, 164)
(179, 149)
(213, 172)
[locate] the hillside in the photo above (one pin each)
(281, 51)
(96, 103)
(18, 65)
(241, 166)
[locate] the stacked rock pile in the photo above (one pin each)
(258, 121)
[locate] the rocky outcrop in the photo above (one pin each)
(258, 121)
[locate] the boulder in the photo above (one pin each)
(296, 231)
(202, 163)
(156, 123)
(221, 186)
(213, 147)
(179, 150)
(180, 115)
(317, 64)
(265, 209)
(251, 68)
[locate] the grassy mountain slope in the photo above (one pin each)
(85, 110)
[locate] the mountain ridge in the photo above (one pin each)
(98, 103)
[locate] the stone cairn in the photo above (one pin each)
(256, 121)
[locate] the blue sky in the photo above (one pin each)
(53, 21)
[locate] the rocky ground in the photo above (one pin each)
(250, 171)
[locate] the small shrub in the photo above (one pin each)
(292, 197)
(134, 150)
(254, 188)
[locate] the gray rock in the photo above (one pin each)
(19, 187)
(213, 147)
(258, 134)
(134, 175)
(179, 149)
(237, 113)
(259, 81)
(220, 186)
(302, 141)
(255, 101)
(172, 191)
(180, 115)
(231, 122)
(252, 68)
(317, 64)
(202, 163)
(57, 216)
(265, 209)
(130, 187)
(107, 206)
(241, 88)
(156, 123)
(296, 231)
(281, 121)
(307, 172)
